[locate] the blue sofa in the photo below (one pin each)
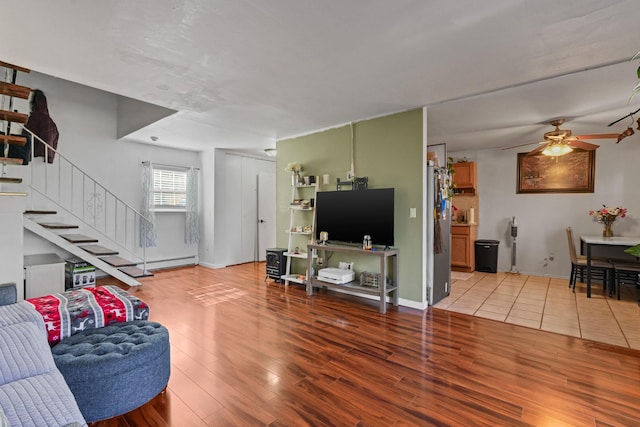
(32, 390)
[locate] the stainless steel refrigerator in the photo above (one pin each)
(438, 224)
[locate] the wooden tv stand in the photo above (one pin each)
(381, 291)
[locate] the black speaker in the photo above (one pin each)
(275, 263)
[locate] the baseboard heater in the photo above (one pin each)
(160, 264)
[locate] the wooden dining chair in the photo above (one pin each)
(600, 269)
(626, 273)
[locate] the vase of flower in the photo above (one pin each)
(606, 216)
(294, 168)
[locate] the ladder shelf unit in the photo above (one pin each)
(301, 231)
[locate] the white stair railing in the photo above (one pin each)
(80, 195)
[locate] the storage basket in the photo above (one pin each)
(370, 279)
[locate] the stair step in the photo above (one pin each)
(36, 212)
(78, 238)
(135, 272)
(12, 116)
(98, 250)
(10, 180)
(10, 161)
(56, 225)
(14, 90)
(117, 261)
(13, 139)
(14, 67)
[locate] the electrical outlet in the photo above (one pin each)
(345, 265)
(320, 261)
(349, 175)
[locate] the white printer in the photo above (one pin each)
(338, 276)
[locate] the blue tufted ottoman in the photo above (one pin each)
(115, 369)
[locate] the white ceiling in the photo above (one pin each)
(243, 73)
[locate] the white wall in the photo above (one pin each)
(11, 262)
(543, 218)
(87, 121)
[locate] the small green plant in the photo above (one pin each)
(636, 89)
(450, 166)
(634, 250)
(451, 182)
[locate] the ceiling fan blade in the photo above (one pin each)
(537, 150)
(599, 136)
(516, 146)
(583, 145)
(522, 145)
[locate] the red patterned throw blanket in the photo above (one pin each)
(73, 311)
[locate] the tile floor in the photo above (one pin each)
(547, 304)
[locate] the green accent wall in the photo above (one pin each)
(388, 150)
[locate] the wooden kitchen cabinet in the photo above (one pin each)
(464, 177)
(463, 238)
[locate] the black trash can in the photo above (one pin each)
(487, 255)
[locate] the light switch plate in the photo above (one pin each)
(412, 212)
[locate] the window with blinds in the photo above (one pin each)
(169, 189)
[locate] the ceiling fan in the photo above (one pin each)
(559, 142)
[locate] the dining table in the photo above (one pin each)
(590, 241)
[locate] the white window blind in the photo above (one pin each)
(169, 189)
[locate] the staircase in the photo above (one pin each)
(10, 90)
(95, 211)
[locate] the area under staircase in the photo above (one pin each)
(101, 257)
(79, 215)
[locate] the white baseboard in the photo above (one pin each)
(401, 301)
(413, 304)
(211, 266)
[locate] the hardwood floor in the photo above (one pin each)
(247, 353)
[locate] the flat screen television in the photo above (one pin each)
(348, 215)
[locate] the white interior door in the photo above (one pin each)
(266, 213)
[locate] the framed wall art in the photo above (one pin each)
(571, 173)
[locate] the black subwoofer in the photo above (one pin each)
(275, 263)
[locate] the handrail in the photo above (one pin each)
(110, 230)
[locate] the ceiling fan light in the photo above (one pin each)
(555, 150)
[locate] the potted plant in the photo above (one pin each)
(634, 250)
